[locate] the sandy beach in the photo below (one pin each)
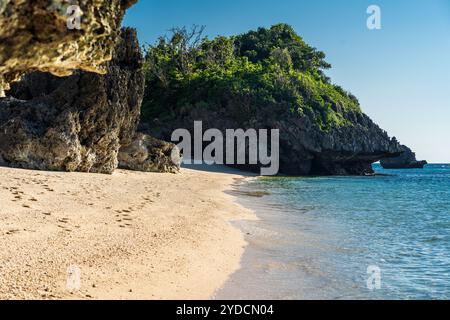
(130, 235)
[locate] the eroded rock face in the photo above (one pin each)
(305, 149)
(148, 154)
(34, 36)
(407, 160)
(75, 123)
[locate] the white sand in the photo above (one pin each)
(132, 235)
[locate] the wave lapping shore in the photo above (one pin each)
(334, 237)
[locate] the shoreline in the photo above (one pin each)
(132, 235)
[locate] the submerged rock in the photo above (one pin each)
(34, 36)
(407, 160)
(79, 122)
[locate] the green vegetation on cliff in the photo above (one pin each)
(271, 70)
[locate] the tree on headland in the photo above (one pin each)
(271, 70)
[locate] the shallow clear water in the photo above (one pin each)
(317, 237)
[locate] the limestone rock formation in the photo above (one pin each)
(407, 160)
(79, 122)
(305, 149)
(267, 78)
(148, 154)
(346, 150)
(34, 36)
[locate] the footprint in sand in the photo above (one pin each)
(15, 191)
(148, 199)
(64, 228)
(124, 220)
(12, 231)
(46, 187)
(63, 224)
(127, 219)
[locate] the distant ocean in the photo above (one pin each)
(317, 237)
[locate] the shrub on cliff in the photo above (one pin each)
(272, 71)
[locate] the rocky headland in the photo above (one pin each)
(406, 160)
(305, 149)
(264, 79)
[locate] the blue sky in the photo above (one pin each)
(400, 74)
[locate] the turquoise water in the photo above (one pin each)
(317, 237)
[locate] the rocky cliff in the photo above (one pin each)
(80, 122)
(406, 160)
(345, 150)
(305, 149)
(268, 78)
(34, 36)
